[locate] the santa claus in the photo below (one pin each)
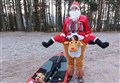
(76, 25)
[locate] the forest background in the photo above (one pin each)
(48, 15)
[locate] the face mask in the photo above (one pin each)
(74, 15)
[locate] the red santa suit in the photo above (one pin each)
(75, 25)
(79, 28)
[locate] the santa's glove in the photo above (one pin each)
(47, 44)
(101, 44)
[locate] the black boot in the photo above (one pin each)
(69, 78)
(47, 44)
(101, 44)
(80, 80)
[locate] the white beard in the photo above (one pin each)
(74, 15)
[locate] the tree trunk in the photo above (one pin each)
(43, 16)
(64, 10)
(26, 15)
(19, 16)
(28, 12)
(14, 17)
(58, 15)
(90, 16)
(115, 18)
(29, 15)
(107, 20)
(52, 13)
(49, 13)
(95, 22)
(40, 16)
(7, 14)
(2, 17)
(84, 9)
(99, 23)
(36, 16)
(11, 17)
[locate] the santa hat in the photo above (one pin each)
(75, 4)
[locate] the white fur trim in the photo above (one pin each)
(95, 39)
(80, 37)
(53, 39)
(62, 34)
(75, 6)
(31, 82)
(91, 34)
(69, 37)
(74, 34)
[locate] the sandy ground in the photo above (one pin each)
(22, 54)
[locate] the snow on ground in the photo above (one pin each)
(22, 54)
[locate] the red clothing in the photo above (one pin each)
(83, 20)
(81, 27)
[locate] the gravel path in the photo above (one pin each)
(22, 54)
